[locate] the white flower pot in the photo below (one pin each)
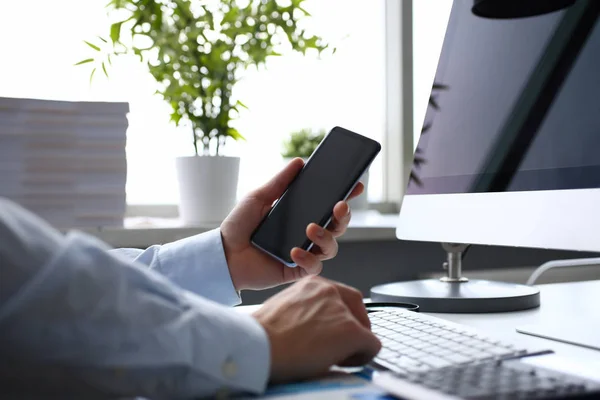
(207, 188)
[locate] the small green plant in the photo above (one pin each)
(196, 50)
(302, 143)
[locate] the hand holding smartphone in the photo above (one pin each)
(329, 176)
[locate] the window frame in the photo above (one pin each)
(399, 141)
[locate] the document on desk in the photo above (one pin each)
(337, 386)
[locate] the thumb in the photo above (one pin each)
(273, 189)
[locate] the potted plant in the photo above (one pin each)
(302, 143)
(196, 52)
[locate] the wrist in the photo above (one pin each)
(276, 373)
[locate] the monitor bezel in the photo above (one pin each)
(549, 219)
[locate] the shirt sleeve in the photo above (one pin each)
(196, 264)
(117, 326)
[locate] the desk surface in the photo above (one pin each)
(572, 303)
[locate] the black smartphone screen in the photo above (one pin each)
(328, 177)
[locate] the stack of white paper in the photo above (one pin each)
(65, 161)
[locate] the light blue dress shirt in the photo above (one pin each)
(124, 322)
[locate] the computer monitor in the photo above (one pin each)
(509, 152)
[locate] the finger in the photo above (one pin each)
(366, 346)
(357, 191)
(354, 301)
(273, 189)
(307, 261)
(325, 241)
(341, 219)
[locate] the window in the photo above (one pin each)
(293, 92)
(430, 18)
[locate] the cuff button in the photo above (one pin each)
(229, 368)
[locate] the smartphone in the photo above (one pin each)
(329, 175)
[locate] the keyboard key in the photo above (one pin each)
(401, 337)
(385, 332)
(420, 345)
(398, 346)
(411, 332)
(418, 368)
(406, 362)
(432, 329)
(442, 342)
(436, 362)
(426, 337)
(414, 353)
(478, 355)
(399, 320)
(411, 341)
(455, 358)
(499, 351)
(439, 351)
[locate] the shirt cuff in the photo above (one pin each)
(198, 264)
(241, 357)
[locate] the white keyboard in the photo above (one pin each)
(413, 342)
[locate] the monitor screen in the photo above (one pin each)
(515, 105)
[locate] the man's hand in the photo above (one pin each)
(249, 267)
(313, 325)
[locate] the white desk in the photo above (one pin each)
(576, 301)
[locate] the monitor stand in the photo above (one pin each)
(455, 293)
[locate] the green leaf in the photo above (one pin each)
(311, 42)
(87, 60)
(101, 38)
(93, 46)
(274, 53)
(176, 117)
(92, 75)
(109, 60)
(231, 15)
(104, 69)
(304, 11)
(211, 19)
(239, 103)
(234, 134)
(138, 52)
(115, 31)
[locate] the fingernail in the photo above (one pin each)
(347, 209)
(320, 232)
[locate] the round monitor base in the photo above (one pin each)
(474, 296)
